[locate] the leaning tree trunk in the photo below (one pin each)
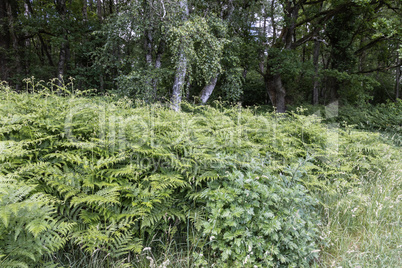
(208, 89)
(181, 70)
(206, 92)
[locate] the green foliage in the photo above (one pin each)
(356, 89)
(232, 86)
(260, 221)
(203, 41)
(361, 225)
(118, 174)
(29, 226)
(383, 117)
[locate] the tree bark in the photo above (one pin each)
(158, 65)
(14, 40)
(276, 91)
(208, 89)
(63, 55)
(44, 45)
(4, 42)
(99, 9)
(84, 11)
(179, 81)
(64, 46)
(316, 81)
(181, 70)
(148, 59)
(398, 77)
(148, 46)
(273, 80)
(111, 7)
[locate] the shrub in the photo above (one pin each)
(260, 221)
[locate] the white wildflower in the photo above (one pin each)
(151, 262)
(165, 264)
(246, 259)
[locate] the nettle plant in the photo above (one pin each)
(256, 220)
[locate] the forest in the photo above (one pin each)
(181, 133)
(276, 53)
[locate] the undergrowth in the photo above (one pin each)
(120, 184)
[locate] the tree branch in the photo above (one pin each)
(371, 44)
(379, 69)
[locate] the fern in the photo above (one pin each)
(28, 227)
(101, 175)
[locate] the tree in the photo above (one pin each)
(258, 51)
(181, 68)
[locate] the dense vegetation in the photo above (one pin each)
(92, 181)
(275, 52)
(188, 133)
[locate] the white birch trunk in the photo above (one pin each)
(181, 70)
(208, 89)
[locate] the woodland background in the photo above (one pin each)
(258, 52)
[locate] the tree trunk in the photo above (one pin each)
(276, 92)
(62, 61)
(398, 77)
(208, 89)
(179, 81)
(14, 41)
(99, 9)
(64, 46)
(148, 47)
(111, 7)
(280, 94)
(4, 42)
(158, 65)
(181, 70)
(273, 80)
(316, 81)
(270, 89)
(148, 58)
(44, 45)
(84, 11)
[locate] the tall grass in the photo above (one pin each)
(363, 225)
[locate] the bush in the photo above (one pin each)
(383, 117)
(260, 221)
